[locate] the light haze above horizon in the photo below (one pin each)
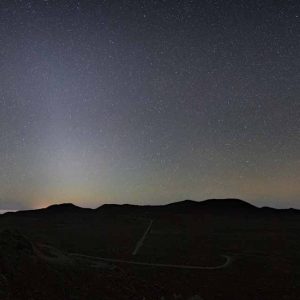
(149, 102)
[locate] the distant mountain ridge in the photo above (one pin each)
(229, 203)
(187, 205)
(226, 205)
(211, 206)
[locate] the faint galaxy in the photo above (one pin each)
(149, 102)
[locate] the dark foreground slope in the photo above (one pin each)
(37, 271)
(263, 244)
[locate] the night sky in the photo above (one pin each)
(149, 102)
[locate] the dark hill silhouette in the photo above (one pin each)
(64, 208)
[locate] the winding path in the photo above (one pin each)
(187, 267)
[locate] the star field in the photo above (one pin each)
(149, 102)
